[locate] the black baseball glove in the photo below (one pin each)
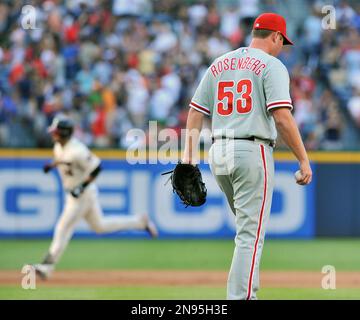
(47, 167)
(187, 182)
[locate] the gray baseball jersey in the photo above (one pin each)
(239, 89)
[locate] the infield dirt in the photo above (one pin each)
(270, 279)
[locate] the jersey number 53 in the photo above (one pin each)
(226, 93)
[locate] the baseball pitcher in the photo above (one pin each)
(246, 94)
(78, 168)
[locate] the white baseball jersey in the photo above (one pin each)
(76, 162)
(239, 89)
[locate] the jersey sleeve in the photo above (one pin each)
(277, 86)
(202, 99)
(86, 160)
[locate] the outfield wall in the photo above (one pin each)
(32, 201)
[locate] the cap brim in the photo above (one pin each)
(287, 41)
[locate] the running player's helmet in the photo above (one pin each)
(62, 126)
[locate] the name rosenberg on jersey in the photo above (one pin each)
(253, 64)
(181, 309)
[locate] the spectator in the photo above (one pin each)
(115, 65)
(354, 106)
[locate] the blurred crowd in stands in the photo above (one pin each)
(113, 65)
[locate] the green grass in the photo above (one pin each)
(169, 293)
(312, 254)
(179, 254)
(183, 254)
(121, 293)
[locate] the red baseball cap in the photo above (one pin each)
(273, 22)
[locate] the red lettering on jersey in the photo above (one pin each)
(240, 61)
(261, 67)
(254, 66)
(220, 66)
(214, 71)
(245, 62)
(250, 63)
(232, 66)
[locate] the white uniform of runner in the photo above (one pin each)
(75, 163)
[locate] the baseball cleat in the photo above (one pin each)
(150, 227)
(152, 230)
(44, 271)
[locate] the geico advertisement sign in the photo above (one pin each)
(32, 201)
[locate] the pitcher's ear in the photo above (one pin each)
(273, 36)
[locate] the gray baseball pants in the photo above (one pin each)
(244, 170)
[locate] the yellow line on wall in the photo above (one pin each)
(25, 153)
(318, 157)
